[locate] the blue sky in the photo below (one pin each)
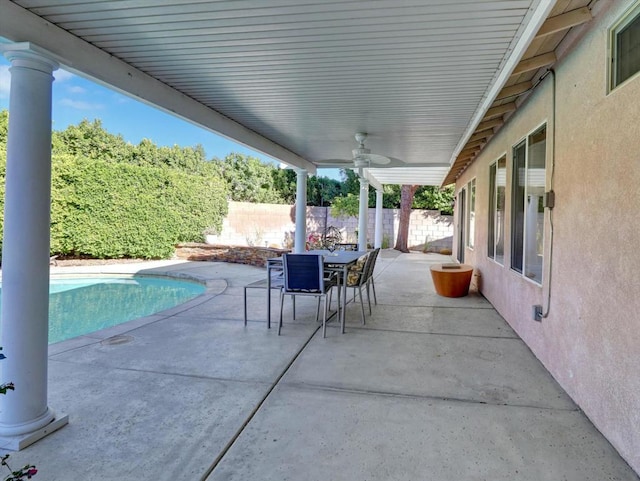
(76, 98)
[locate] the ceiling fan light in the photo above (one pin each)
(360, 151)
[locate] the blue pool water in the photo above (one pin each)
(82, 305)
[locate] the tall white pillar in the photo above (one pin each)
(363, 214)
(25, 249)
(379, 227)
(301, 212)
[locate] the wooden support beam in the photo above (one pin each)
(500, 110)
(534, 63)
(457, 167)
(468, 153)
(480, 135)
(460, 162)
(564, 21)
(514, 90)
(476, 143)
(490, 124)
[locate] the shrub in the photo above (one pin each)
(109, 210)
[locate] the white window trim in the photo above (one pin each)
(493, 212)
(471, 187)
(525, 139)
(630, 14)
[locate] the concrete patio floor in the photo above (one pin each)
(429, 389)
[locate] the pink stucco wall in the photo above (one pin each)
(590, 342)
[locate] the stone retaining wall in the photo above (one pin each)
(255, 256)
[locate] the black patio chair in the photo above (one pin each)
(370, 284)
(304, 275)
(357, 279)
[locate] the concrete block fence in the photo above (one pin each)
(273, 225)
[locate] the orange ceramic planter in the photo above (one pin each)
(452, 282)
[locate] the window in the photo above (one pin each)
(517, 205)
(471, 213)
(461, 208)
(625, 47)
(527, 222)
(497, 187)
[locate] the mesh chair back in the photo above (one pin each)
(303, 273)
(373, 255)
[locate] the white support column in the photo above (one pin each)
(363, 214)
(379, 226)
(25, 251)
(301, 212)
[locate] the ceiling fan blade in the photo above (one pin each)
(393, 162)
(378, 159)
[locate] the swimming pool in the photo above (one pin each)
(81, 305)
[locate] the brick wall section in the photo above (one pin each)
(273, 225)
(255, 256)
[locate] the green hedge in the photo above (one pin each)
(110, 210)
(112, 199)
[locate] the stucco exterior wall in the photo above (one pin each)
(590, 341)
(274, 225)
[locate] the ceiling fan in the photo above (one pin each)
(362, 158)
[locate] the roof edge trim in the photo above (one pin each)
(535, 21)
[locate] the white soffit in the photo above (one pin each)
(410, 175)
(296, 79)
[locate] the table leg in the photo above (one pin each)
(345, 273)
(245, 305)
(268, 298)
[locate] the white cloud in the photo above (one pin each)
(75, 89)
(120, 98)
(79, 105)
(5, 81)
(62, 75)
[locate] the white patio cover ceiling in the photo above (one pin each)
(296, 79)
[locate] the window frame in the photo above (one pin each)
(515, 210)
(493, 200)
(496, 231)
(522, 252)
(470, 220)
(629, 16)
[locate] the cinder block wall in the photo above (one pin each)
(273, 225)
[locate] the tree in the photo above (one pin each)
(92, 141)
(249, 180)
(4, 128)
(321, 191)
(406, 201)
(434, 198)
(346, 206)
(426, 197)
(351, 185)
(284, 182)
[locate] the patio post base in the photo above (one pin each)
(21, 441)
